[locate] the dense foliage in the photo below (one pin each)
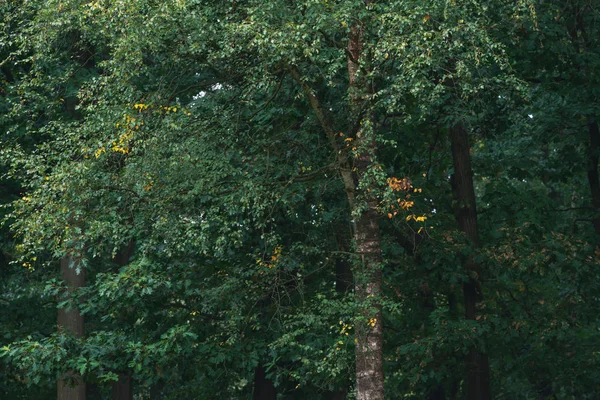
(317, 199)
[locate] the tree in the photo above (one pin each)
(296, 176)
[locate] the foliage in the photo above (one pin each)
(186, 130)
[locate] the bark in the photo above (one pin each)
(369, 335)
(70, 385)
(592, 173)
(368, 281)
(264, 389)
(368, 278)
(478, 385)
(580, 41)
(123, 388)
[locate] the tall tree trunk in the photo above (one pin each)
(592, 173)
(478, 382)
(580, 41)
(123, 388)
(264, 389)
(369, 334)
(368, 277)
(70, 386)
(368, 280)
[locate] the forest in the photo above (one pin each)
(299, 199)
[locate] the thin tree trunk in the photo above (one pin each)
(592, 173)
(264, 389)
(580, 41)
(478, 383)
(70, 385)
(123, 388)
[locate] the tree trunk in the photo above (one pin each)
(70, 385)
(368, 280)
(368, 277)
(369, 334)
(580, 41)
(592, 173)
(478, 385)
(264, 389)
(123, 388)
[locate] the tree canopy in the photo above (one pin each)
(316, 199)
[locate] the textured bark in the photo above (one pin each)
(369, 336)
(70, 386)
(264, 389)
(368, 281)
(592, 173)
(478, 384)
